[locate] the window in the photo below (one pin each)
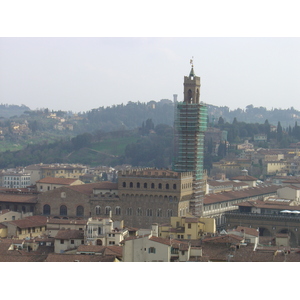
(46, 209)
(139, 211)
(160, 186)
(129, 211)
(174, 250)
(118, 210)
(159, 213)
(63, 210)
(62, 241)
(131, 184)
(145, 185)
(189, 225)
(149, 212)
(124, 184)
(169, 213)
(107, 210)
(174, 186)
(98, 210)
(138, 185)
(79, 211)
(151, 250)
(152, 186)
(167, 186)
(72, 242)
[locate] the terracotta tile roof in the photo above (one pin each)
(67, 234)
(244, 178)
(104, 250)
(54, 180)
(18, 198)
(247, 230)
(16, 256)
(78, 258)
(191, 220)
(66, 221)
(33, 221)
(223, 239)
(268, 205)
(88, 188)
(234, 195)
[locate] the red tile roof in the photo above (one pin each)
(54, 180)
(67, 234)
(235, 195)
(78, 258)
(18, 198)
(88, 188)
(33, 221)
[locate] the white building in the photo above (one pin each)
(104, 231)
(155, 249)
(16, 180)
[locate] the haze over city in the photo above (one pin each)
(80, 74)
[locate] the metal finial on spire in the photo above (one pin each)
(192, 73)
(191, 62)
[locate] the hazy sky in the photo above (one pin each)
(80, 74)
(41, 68)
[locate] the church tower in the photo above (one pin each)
(190, 126)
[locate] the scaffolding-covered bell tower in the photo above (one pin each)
(190, 126)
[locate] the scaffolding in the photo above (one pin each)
(190, 126)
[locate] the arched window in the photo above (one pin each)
(138, 185)
(149, 212)
(139, 211)
(63, 211)
(124, 184)
(129, 211)
(174, 186)
(46, 209)
(167, 186)
(79, 211)
(159, 213)
(169, 213)
(160, 186)
(145, 185)
(152, 186)
(107, 210)
(98, 210)
(118, 210)
(131, 184)
(170, 198)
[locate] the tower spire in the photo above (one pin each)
(192, 73)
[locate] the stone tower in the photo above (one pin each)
(190, 126)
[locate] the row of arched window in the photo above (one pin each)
(149, 212)
(145, 185)
(63, 210)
